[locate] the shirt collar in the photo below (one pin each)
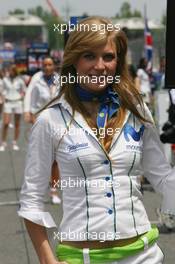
(79, 119)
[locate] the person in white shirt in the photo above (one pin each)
(143, 76)
(27, 99)
(103, 138)
(43, 86)
(13, 91)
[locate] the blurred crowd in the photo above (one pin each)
(23, 96)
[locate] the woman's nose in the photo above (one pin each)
(99, 64)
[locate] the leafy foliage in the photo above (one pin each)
(55, 39)
(17, 11)
(126, 12)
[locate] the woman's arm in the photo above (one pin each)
(27, 98)
(40, 241)
(40, 157)
(35, 95)
(156, 168)
(27, 101)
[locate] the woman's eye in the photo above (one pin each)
(109, 57)
(89, 56)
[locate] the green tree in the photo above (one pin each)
(126, 12)
(136, 13)
(55, 39)
(163, 19)
(38, 11)
(17, 11)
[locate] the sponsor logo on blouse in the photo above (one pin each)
(73, 148)
(135, 135)
(134, 148)
(133, 138)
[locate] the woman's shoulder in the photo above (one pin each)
(146, 113)
(5, 79)
(51, 115)
(141, 72)
(50, 121)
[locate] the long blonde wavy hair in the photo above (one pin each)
(82, 41)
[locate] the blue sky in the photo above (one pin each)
(109, 8)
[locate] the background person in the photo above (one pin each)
(143, 76)
(41, 90)
(46, 88)
(134, 76)
(13, 91)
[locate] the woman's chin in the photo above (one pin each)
(95, 87)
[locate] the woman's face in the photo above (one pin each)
(145, 63)
(96, 65)
(12, 72)
(48, 66)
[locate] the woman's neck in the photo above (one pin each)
(92, 108)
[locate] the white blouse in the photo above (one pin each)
(101, 191)
(13, 89)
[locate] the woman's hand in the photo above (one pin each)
(27, 117)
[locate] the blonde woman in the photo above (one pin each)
(103, 138)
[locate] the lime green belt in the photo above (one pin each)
(74, 255)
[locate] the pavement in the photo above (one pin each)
(15, 244)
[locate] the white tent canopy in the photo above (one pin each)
(137, 23)
(21, 20)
